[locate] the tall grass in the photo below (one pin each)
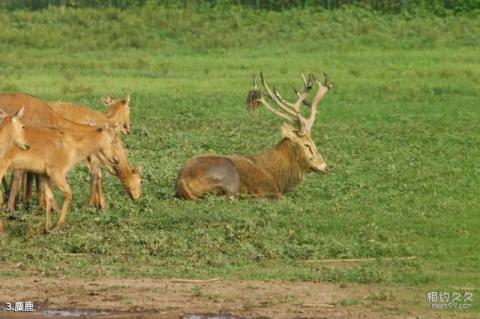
(437, 7)
(400, 131)
(170, 30)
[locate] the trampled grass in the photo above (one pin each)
(400, 131)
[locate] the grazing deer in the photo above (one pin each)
(271, 173)
(12, 135)
(53, 153)
(39, 114)
(118, 111)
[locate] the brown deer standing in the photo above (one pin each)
(53, 153)
(118, 111)
(12, 131)
(39, 114)
(12, 135)
(271, 173)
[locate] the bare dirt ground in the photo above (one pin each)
(171, 298)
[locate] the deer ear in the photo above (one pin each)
(126, 99)
(288, 131)
(19, 113)
(137, 170)
(2, 114)
(108, 100)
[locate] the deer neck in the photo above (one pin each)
(85, 143)
(285, 163)
(124, 168)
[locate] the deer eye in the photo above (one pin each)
(309, 148)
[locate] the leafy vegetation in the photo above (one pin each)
(400, 132)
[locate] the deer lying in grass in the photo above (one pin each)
(12, 135)
(53, 153)
(39, 114)
(271, 173)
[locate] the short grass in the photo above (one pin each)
(401, 132)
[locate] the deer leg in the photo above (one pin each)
(49, 200)
(93, 186)
(5, 185)
(100, 194)
(96, 183)
(4, 164)
(17, 177)
(27, 188)
(40, 191)
(60, 181)
(43, 196)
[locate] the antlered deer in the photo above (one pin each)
(39, 114)
(271, 173)
(53, 153)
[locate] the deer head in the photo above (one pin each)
(130, 176)
(133, 183)
(17, 129)
(297, 128)
(118, 110)
(108, 141)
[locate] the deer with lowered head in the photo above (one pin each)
(271, 173)
(40, 114)
(117, 112)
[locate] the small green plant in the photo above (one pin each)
(349, 302)
(197, 291)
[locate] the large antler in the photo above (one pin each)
(322, 89)
(291, 111)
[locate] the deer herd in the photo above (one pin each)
(41, 141)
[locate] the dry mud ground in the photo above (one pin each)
(172, 298)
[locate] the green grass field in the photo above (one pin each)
(400, 131)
